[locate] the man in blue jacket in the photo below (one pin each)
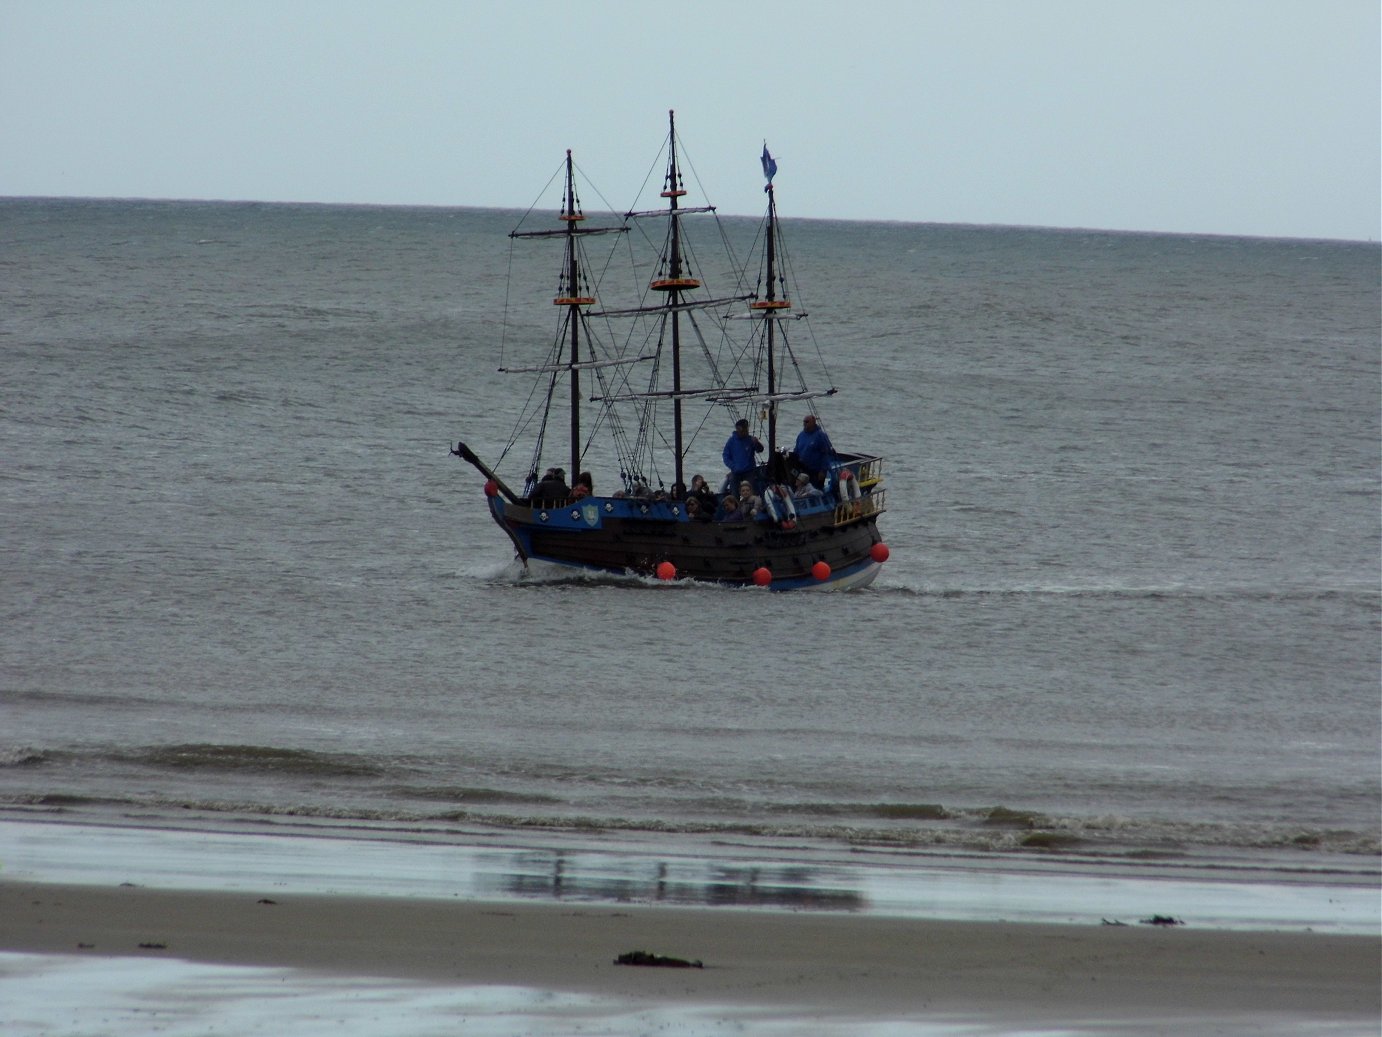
(814, 450)
(738, 455)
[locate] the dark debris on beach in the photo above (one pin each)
(1154, 920)
(659, 960)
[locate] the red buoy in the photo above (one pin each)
(491, 488)
(879, 552)
(762, 576)
(666, 571)
(821, 571)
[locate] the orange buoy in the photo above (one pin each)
(762, 576)
(666, 571)
(821, 571)
(491, 488)
(879, 552)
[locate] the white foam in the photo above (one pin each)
(45, 995)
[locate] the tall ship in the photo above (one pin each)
(640, 390)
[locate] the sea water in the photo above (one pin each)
(1130, 614)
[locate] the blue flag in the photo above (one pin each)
(769, 165)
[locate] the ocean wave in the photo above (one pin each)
(1367, 596)
(206, 756)
(270, 781)
(21, 756)
(917, 827)
(1143, 842)
(464, 794)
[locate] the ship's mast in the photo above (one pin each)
(771, 304)
(674, 283)
(574, 297)
(571, 215)
(772, 324)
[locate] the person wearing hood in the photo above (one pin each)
(738, 454)
(552, 486)
(814, 450)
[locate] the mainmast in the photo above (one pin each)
(572, 215)
(772, 304)
(675, 280)
(674, 283)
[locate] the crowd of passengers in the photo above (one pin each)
(747, 505)
(804, 470)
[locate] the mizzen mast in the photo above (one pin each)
(771, 305)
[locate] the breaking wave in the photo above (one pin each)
(252, 758)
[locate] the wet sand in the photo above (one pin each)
(767, 964)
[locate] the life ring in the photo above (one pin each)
(787, 504)
(770, 503)
(849, 485)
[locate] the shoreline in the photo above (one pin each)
(808, 964)
(811, 946)
(193, 852)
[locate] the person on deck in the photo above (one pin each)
(553, 486)
(738, 454)
(750, 504)
(698, 512)
(814, 450)
(730, 511)
(804, 490)
(700, 489)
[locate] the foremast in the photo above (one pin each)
(570, 216)
(573, 294)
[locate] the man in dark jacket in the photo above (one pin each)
(553, 486)
(738, 454)
(814, 450)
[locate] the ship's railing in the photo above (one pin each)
(861, 507)
(868, 470)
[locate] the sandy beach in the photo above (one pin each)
(190, 931)
(781, 965)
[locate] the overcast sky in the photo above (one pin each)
(1256, 117)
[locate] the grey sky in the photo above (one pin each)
(1223, 116)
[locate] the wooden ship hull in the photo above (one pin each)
(827, 544)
